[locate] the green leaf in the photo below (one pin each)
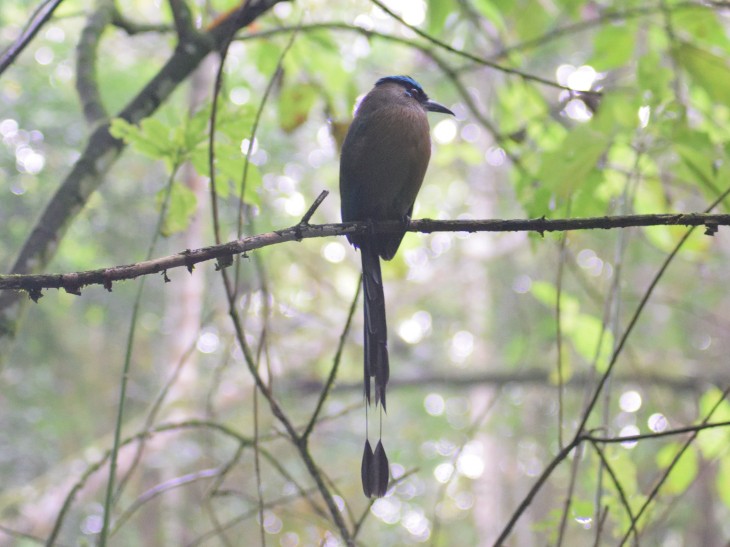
(697, 153)
(253, 184)
(653, 76)
(583, 509)
(151, 138)
(437, 12)
(532, 19)
(709, 71)
(713, 442)
(709, 401)
(155, 131)
(520, 103)
(588, 200)
(229, 163)
(650, 197)
(585, 337)
(490, 12)
(684, 470)
(565, 169)
(295, 102)
(196, 128)
(200, 161)
(180, 209)
(625, 468)
(267, 56)
(618, 111)
(584, 331)
(613, 46)
(722, 481)
(703, 25)
(119, 128)
(547, 294)
(572, 7)
(137, 137)
(310, 53)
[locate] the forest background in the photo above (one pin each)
(551, 383)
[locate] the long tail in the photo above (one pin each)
(376, 331)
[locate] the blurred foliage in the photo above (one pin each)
(473, 415)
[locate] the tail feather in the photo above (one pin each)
(376, 332)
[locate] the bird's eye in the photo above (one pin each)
(412, 93)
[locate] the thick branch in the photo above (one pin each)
(86, 82)
(73, 282)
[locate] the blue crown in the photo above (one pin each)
(405, 81)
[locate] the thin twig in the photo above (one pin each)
(93, 468)
(617, 484)
(655, 435)
(655, 490)
(312, 208)
(477, 59)
(281, 416)
(559, 336)
(39, 18)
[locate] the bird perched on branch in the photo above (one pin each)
(384, 159)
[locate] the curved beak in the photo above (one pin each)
(433, 106)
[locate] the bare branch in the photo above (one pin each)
(86, 50)
(657, 435)
(73, 282)
(317, 202)
(119, 20)
(39, 18)
(182, 17)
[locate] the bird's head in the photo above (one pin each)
(413, 89)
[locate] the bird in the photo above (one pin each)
(382, 165)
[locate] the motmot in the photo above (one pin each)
(383, 162)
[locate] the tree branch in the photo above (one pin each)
(87, 86)
(533, 376)
(102, 150)
(38, 19)
(73, 282)
(480, 60)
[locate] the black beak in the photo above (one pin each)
(433, 106)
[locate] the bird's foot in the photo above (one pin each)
(405, 221)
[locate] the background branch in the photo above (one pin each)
(86, 54)
(41, 16)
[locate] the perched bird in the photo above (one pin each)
(384, 159)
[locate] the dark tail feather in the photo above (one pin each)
(366, 472)
(374, 471)
(381, 471)
(376, 331)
